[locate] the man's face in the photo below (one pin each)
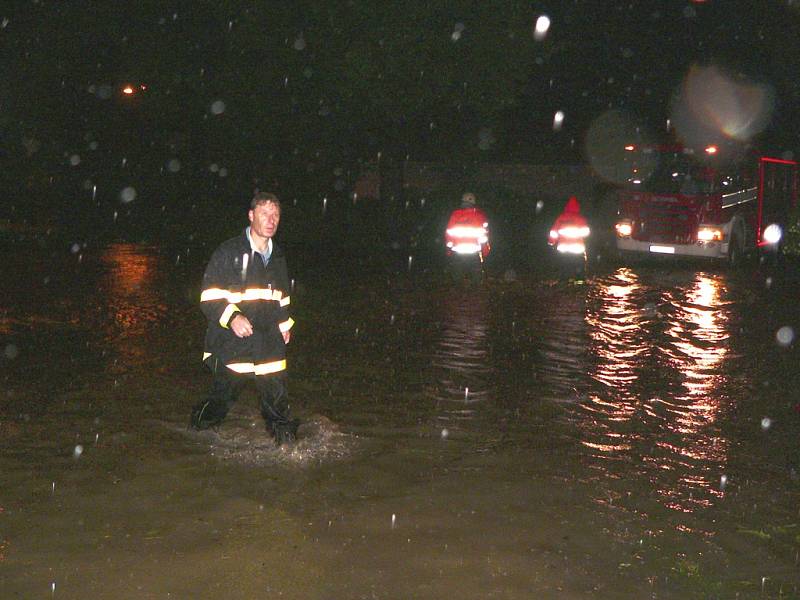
(264, 219)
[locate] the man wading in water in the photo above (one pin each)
(245, 299)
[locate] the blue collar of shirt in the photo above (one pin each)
(264, 256)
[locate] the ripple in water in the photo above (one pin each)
(244, 440)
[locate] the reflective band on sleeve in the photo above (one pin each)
(206, 355)
(212, 294)
(286, 325)
(259, 369)
(285, 301)
(227, 314)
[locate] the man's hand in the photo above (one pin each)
(241, 326)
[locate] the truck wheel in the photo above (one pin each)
(735, 252)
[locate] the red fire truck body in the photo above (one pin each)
(698, 205)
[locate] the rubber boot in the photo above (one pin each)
(285, 432)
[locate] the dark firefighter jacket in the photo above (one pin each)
(236, 280)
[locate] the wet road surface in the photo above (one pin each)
(631, 435)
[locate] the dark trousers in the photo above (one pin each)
(225, 389)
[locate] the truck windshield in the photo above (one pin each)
(676, 173)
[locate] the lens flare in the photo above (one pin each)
(611, 142)
(711, 105)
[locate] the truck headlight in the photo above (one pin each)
(772, 233)
(709, 234)
(624, 228)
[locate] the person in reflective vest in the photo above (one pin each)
(468, 230)
(245, 299)
(570, 229)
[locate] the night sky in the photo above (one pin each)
(299, 96)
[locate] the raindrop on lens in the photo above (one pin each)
(217, 107)
(541, 28)
(223, 172)
(213, 167)
(485, 138)
(766, 423)
(127, 195)
(11, 352)
(174, 165)
(75, 248)
(785, 335)
(75, 160)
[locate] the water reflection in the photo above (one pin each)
(660, 348)
(461, 369)
(562, 345)
(131, 299)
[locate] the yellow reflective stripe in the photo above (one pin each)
(270, 367)
(259, 369)
(206, 355)
(227, 314)
(212, 294)
(285, 301)
(286, 325)
(259, 294)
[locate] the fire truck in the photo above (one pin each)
(690, 203)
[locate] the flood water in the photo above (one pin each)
(633, 435)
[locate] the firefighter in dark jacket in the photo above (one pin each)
(245, 299)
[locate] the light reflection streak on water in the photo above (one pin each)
(460, 359)
(131, 295)
(563, 345)
(660, 353)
